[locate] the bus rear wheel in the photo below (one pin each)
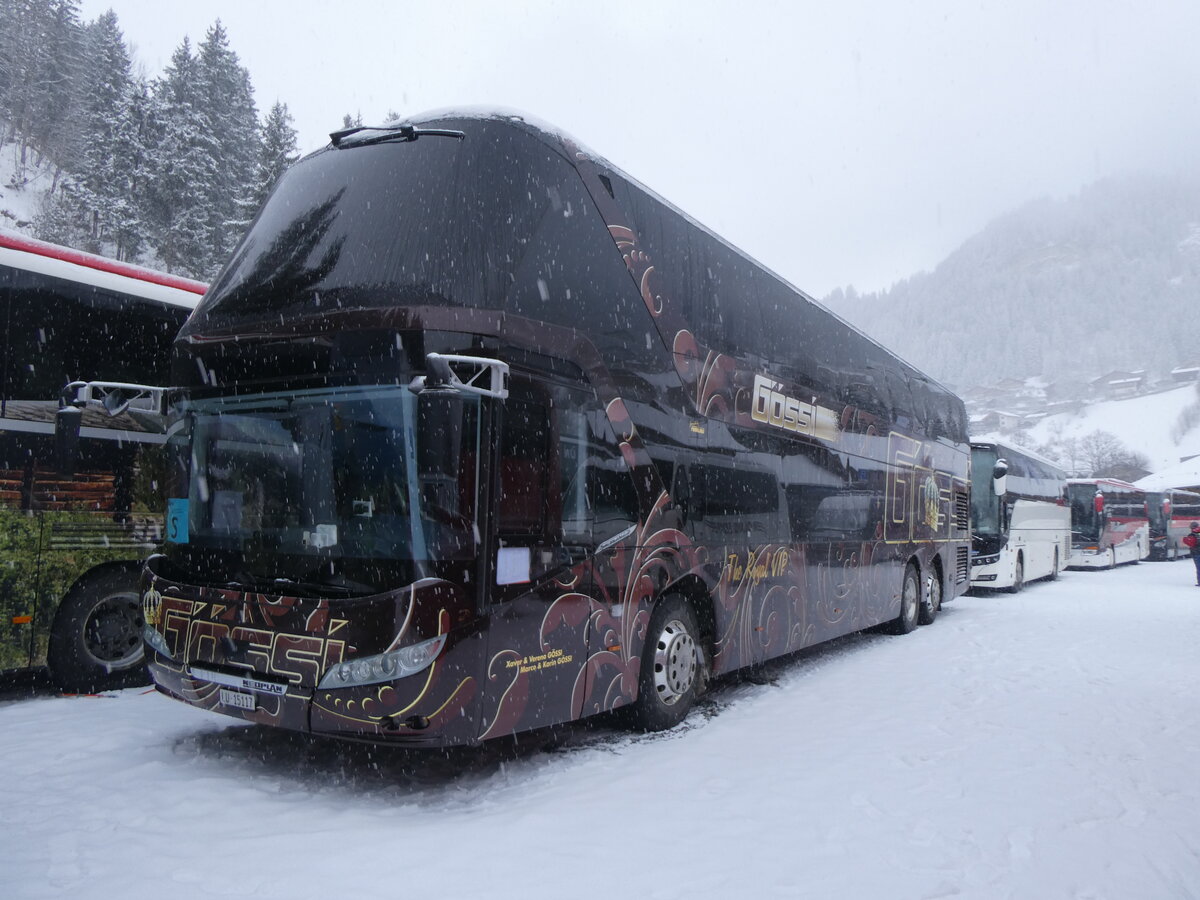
(910, 603)
(673, 667)
(931, 604)
(1054, 572)
(96, 641)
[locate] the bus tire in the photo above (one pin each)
(1018, 575)
(96, 640)
(931, 603)
(910, 603)
(673, 667)
(1053, 576)
(1112, 558)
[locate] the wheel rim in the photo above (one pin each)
(1019, 577)
(935, 594)
(674, 662)
(911, 596)
(112, 634)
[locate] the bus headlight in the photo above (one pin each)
(985, 560)
(384, 666)
(155, 641)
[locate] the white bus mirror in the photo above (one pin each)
(1000, 477)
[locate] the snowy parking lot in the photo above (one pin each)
(1040, 745)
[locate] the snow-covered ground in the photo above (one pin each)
(1144, 424)
(1034, 746)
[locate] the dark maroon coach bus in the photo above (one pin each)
(475, 434)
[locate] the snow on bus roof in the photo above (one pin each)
(1115, 482)
(20, 252)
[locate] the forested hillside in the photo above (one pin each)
(1069, 289)
(165, 170)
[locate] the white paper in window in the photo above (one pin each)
(512, 565)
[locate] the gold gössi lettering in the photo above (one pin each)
(757, 567)
(772, 407)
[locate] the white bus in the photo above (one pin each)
(1020, 520)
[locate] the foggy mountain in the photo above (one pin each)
(1066, 289)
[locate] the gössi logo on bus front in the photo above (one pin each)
(773, 407)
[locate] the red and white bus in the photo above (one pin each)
(73, 542)
(1109, 523)
(1171, 514)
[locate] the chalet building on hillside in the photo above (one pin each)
(1185, 374)
(1119, 383)
(1008, 421)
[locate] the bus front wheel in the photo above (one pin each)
(96, 641)
(673, 667)
(1018, 576)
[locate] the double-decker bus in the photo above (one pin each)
(1020, 521)
(1171, 513)
(474, 435)
(1109, 524)
(73, 542)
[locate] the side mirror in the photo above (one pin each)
(66, 439)
(117, 400)
(1000, 477)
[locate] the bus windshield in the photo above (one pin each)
(985, 505)
(319, 487)
(1084, 521)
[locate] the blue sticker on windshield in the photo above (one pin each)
(177, 520)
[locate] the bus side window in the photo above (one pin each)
(598, 499)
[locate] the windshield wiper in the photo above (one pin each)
(283, 586)
(390, 133)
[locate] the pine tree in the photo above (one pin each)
(182, 164)
(130, 232)
(104, 171)
(56, 126)
(40, 43)
(226, 100)
(277, 151)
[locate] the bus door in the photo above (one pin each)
(540, 598)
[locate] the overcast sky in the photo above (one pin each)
(848, 143)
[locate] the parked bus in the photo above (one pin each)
(73, 543)
(475, 435)
(1020, 521)
(1171, 513)
(1109, 524)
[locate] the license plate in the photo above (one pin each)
(237, 699)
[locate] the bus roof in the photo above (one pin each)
(20, 252)
(1014, 450)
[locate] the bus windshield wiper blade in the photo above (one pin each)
(389, 133)
(282, 587)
